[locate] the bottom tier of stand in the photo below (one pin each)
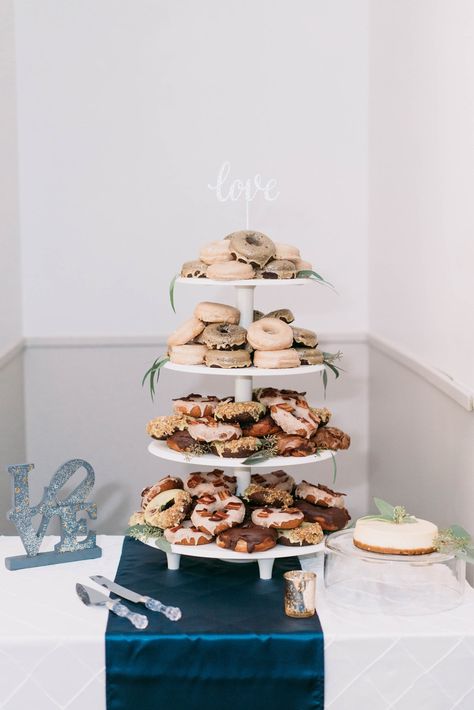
(213, 551)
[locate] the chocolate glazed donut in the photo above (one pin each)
(248, 539)
(330, 519)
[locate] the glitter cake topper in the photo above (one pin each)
(70, 548)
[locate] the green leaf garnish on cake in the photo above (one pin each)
(390, 513)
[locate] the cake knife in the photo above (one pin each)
(91, 597)
(171, 612)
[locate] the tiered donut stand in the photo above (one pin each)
(243, 386)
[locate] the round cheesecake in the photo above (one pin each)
(392, 538)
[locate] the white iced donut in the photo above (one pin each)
(210, 312)
(287, 251)
(230, 271)
(284, 518)
(192, 354)
(276, 359)
(215, 253)
(270, 334)
(215, 513)
(186, 332)
(298, 420)
(197, 484)
(207, 429)
(187, 534)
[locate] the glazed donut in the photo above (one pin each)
(257, 315)
(287, 251)
(323, 414)
(241, 412)
(330, 519)
(181, 441)
(209, 312)
(278, 269)
(269, 334)
(186, 332)
(191, 354)
(215, 513)
(252, 248)
(302, 265)
(283, 314)
(249, 539)
(276, 359)
(310, 356)
(265, 427)
(137, 518)
(207, 429)
(284, 518)
(306, 534)
(239, 449)
(289, 445)
(331, 438)
(168, 508)
(215, 253)
(304, 337)
(227, 358)
(165, 484)
(295, 419)
(187, 534)
(319, 495)
(197, 484)
(223, 336)
(193, 405)
(262, 495)
(194, 270)
(162, 427)
(279, 480)
(230, 271)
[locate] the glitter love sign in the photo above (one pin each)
(76, 541)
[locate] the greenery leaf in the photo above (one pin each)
(460, 532)
(153, 373)
(162, 544)
(144, 532)
(310, 274)
(334, 468)
(384, 508)
(325, 381)
(171, 291)
(258, 457)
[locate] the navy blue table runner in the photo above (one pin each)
(233, 648)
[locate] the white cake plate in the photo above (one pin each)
(213, 551)
(245, 371)
(243, 282)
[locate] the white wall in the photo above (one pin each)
(128, 108)
(421, 161)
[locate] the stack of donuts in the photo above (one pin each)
(214, 337)
(246, 255)
(272, 510)
(278, 419)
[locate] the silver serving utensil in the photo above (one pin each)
(171, 612)
(91, 597)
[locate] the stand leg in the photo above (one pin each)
(173, 560)
(245, 304)
(243, 479)
(265, 568)
(243, 389)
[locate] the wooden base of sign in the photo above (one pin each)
(51, 558)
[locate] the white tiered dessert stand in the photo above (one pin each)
(243, 386)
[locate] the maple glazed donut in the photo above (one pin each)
(224, 336)
(227, 359)
(283, 518)
(287, 251)
(282, 314)
(187, 534)
(215, 253)
(278, 269)
(198, 484)
(310, 356)
(210, 312)
(165, 484)
(168, 508)
(252, 248)
(230, 271)
(249, 539)
(191, 354)
(304, 337)
(270, 334)
(215, 513)
(189, 330)
(194, 270)
(276, 359)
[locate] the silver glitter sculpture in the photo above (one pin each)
(77, 542)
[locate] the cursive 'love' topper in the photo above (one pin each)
(70, 548)
(248, 189)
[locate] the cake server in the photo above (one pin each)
(171, 612)
(91, 597)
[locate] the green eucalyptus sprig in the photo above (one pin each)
(153, 373)
(310, 274)
(455, 540)
(144, 532)
(390, 513)
(171, 291)
(268, 450)
(329, 360)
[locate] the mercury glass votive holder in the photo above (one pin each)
(300, 593)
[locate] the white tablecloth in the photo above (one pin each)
(52, 650)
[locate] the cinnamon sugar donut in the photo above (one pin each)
(230, 271)
(207, 429)
(215, 513)
(276, 359)
(252, 248)
(189, 330)
(224, 336)
(284, 518)
(190, 354)
(168, 508)
(162, 427)
(198, 484)
(165, 484)
(215, 253)
(210, 312)
(193, 405)
(248, 539)
(187, 534)
(270, 334)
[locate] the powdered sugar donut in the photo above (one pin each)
(207, 429)
(216, 513)
(187, 534)
(191, 354)
(276, 359)
(230, 271)
(198, 484)
(284, 518)
(270, 334)
(209, 312)
(287, 251)
(215, 253)
(186, 332)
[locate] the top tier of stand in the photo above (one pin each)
(244, 282)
